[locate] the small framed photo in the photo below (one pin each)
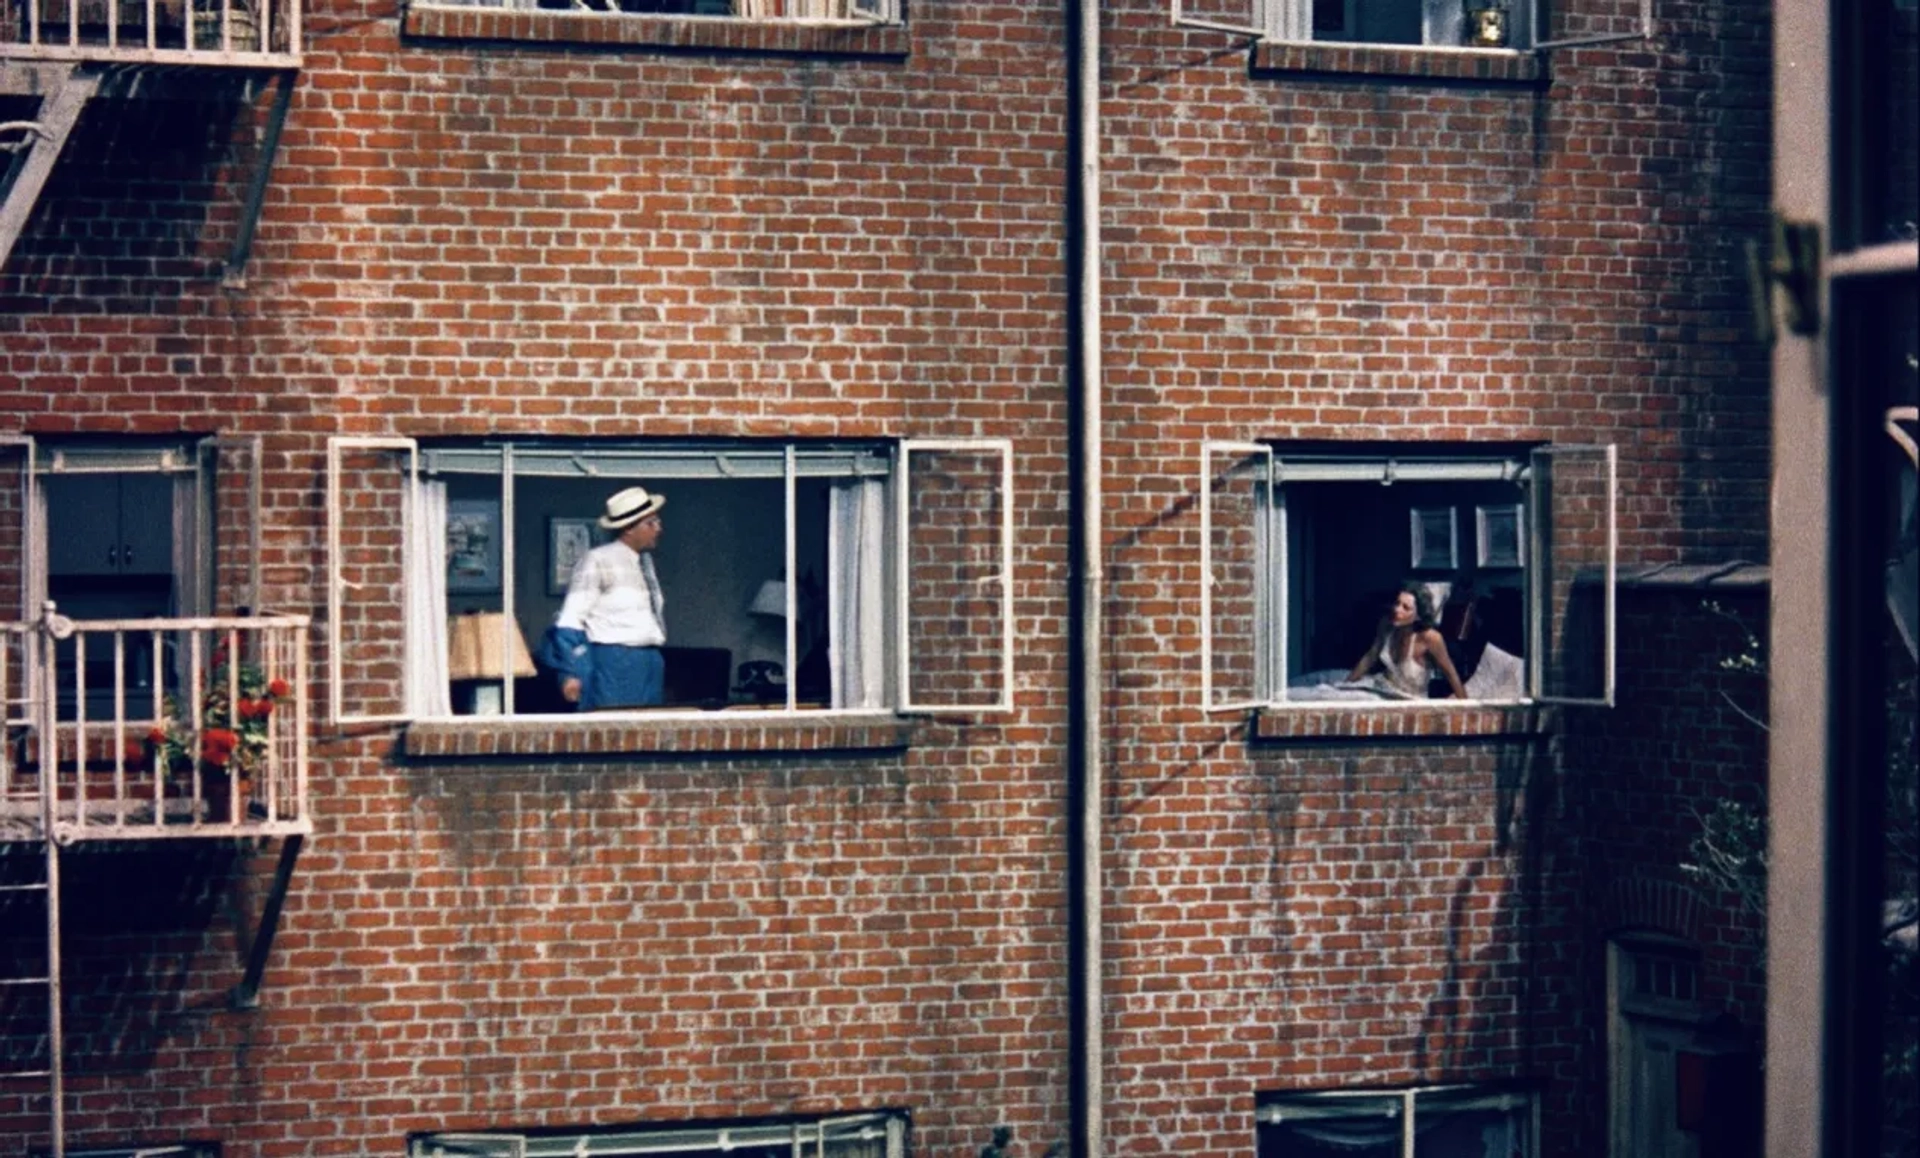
(1436, 539)
(473, 546)
(567, 541)
(1501, 536)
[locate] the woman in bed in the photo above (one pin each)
(1407, 649)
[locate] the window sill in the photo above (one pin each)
(1401, 62)
(1386, 721)
(625, 734)
(611, 30)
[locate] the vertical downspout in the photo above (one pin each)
(1085, 631)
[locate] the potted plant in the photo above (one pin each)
(230, 744)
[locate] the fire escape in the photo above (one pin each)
(137, 729)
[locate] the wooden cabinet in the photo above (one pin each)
(109, 524)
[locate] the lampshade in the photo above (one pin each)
(771, 599)
(475, 652)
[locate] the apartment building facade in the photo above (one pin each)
(1047, 412)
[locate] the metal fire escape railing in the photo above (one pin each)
(141, 730)
(66, 53)
(247, 33)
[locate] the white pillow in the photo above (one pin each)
(1500, 676)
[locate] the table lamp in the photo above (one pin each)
(486, 649)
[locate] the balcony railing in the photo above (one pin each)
(248, 33)
(118, 729)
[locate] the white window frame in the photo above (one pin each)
(897, 631)
(820, 1138)
(902, 575)
(336, 582)
(1291, 22)
(1271, 666)
(1269, 557)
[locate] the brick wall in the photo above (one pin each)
(524, 238)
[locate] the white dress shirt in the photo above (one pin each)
(614, 596)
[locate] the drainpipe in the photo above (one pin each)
(1085, 592)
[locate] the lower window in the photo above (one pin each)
(872, 1135)
(1437, 1122)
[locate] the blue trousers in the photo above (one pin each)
(624, 677)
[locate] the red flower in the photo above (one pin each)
(278, 689)
(217, 745)
(157, 736)
(255, 709)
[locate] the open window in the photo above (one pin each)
(1510, 555)
(795, 577)
(1449, 24)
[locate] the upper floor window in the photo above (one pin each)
(1406, 574)
(549, 577)
(1484, 24)
(756, 11)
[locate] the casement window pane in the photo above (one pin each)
(956, 597)
(1572, 573)
(369, 517)
(1235, 501)
(217, 557)
(1245, 17)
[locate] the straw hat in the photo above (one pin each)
(629, 506)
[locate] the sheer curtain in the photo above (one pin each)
(856, 592)
(428, 689)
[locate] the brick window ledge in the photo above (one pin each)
(720, 732)
(1399, 62)
(615, 30)
(1346, 722)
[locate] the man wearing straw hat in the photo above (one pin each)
(606, 642)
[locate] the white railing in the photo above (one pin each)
(242, 32)
(153, 727)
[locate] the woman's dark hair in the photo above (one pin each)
(1423, 612)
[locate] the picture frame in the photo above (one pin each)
(473, 546)
(1436, 539)
(1500, 535)
(567, 540)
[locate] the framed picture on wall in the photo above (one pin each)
(567, 541)
(473, 546)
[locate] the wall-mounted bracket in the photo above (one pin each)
(234, 274)
(1792, 262)
(246, 995)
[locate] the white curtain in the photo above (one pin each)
(856, 592)
(428, 689)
